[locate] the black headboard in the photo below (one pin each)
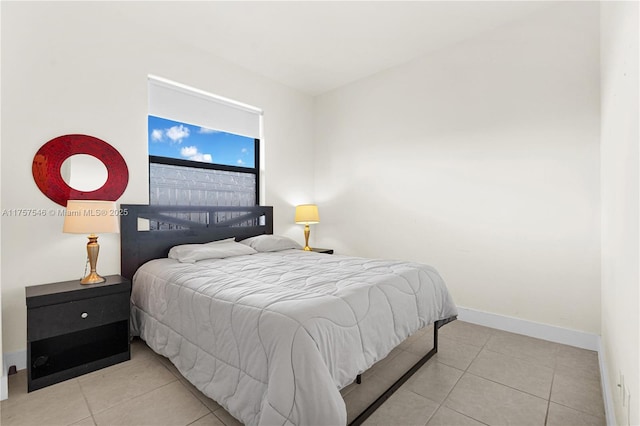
(162, 227)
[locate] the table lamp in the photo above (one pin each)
(91, 217)
(307, 214)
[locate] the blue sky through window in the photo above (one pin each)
(184, 141)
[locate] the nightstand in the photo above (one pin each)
(73, 329)
(322, 250)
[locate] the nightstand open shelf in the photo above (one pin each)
(75, 352)
(73, 329)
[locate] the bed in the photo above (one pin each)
(271, 336)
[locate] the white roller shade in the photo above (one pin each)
(178, 102)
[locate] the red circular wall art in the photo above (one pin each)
(49, 159)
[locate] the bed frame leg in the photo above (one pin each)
(387, 394)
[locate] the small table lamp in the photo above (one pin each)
(307, 214)
(91, 217)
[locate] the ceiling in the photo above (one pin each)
(317, 46)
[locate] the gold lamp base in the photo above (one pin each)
(93, 248)
(306, 238)
(92, 278)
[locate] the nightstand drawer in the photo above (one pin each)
(64, 318)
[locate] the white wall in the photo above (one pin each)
(620, 212)
(482, 160)
(81, 67)
(4, 391)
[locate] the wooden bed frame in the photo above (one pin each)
(140, 244)
(148, 232)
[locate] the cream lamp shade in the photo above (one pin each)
(91, 217)
(307, 214)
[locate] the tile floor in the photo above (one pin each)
(479, 376)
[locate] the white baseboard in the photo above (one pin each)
(552, 333)
(606, 391)
(4, 387)
(18, 358)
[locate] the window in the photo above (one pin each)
(197, 166)
(203, 150)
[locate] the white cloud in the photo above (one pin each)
(244, 150)
(205, 130)
(177, 133)
(206, 158)
(240, 162)
(188, 151)
(191, 153)
(156, 135)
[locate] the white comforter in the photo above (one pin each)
(273, 337)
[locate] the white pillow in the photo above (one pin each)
(265, 242)
(191, 253)
(228, 240)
